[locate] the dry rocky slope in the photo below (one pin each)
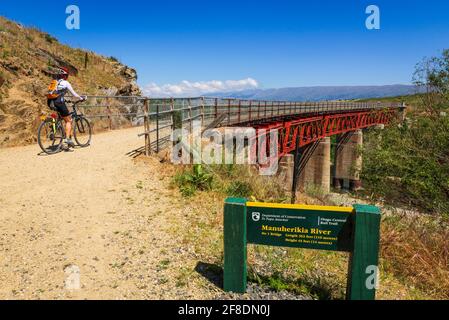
(27, 59)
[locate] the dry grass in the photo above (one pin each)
(261, 188)
(23, 44)
(417, 250)
(414, 260)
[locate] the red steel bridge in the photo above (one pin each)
(300, 126)
(298, 123)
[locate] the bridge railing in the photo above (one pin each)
(110, 112)
(160, 116)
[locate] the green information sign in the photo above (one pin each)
(354, 230)
(309, 228)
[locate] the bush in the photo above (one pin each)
(49, 38)
(409, 163)
(239, 189)
(191, 181)
(5, 54)
(187, 190)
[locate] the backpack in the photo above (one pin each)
(53, 92)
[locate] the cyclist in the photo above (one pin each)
(56, 101)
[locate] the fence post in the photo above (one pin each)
(172, 109)
(108, 112)
(202, 113)
(235, 255)
(229, 111)
(216, 108)
(240, 111)
(189, 102)
(364, 260)
(86, 60)
(146, 124)
(157, 128)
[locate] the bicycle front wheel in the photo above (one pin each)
(82, 132)
(50, 136)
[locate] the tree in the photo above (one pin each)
(409, 163)
(432, 76)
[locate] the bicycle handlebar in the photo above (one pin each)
(74, 103)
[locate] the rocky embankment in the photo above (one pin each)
(28, 58)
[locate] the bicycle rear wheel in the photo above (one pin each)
(50, 136)
(82, 132)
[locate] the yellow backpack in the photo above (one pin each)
(53, 90)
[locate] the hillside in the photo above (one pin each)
(28, 58)
(323, 93)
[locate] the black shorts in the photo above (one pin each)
(60, 107)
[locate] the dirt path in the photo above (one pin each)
(94, 210)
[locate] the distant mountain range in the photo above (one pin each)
(323, 93)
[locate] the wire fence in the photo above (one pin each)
(160, 117)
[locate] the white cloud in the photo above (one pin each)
(193, 89)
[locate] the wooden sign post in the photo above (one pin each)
(354, 230)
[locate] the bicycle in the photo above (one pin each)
(51, 132)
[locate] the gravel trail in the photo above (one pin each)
(96, 224)
(79, 210)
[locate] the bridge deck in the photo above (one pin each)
(312, 120)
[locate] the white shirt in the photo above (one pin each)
(64, 85)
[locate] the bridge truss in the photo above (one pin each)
(298, 132)
(298, 124)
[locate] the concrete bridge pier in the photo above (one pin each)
(348, 162)
(286, 171)
(403, 112)
(315, 172)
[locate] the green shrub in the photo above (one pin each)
(187, 191)
(49, 38)
(5, 54)
(191, 181)
(239, 189)
(409, 163)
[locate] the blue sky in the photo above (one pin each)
(277, 43)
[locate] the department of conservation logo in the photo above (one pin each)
(256, 216)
